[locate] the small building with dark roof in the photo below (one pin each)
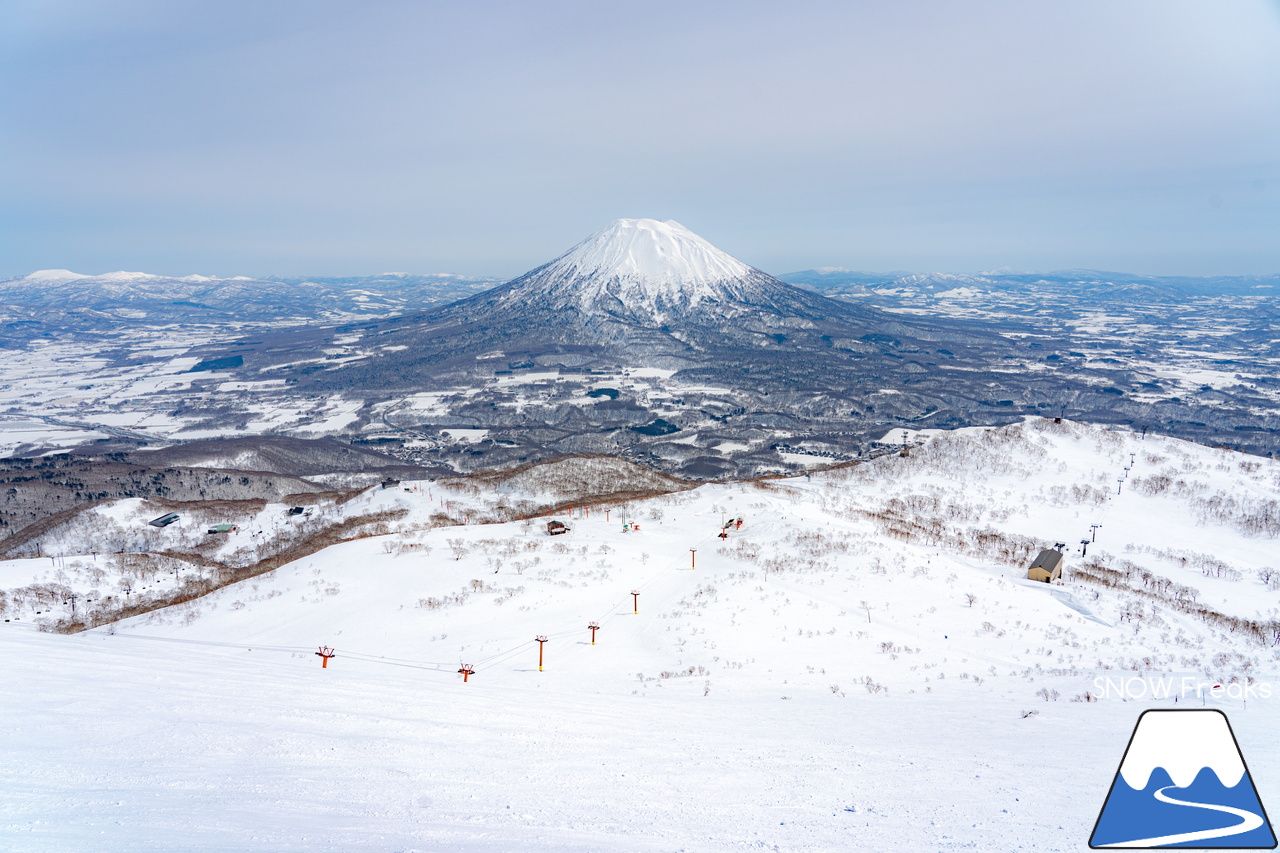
(1047, 567)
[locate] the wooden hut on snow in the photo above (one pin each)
(1047, 567)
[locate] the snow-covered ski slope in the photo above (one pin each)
(853, 669)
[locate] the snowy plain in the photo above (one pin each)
(816, 681)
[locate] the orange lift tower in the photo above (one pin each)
(693, 559)
(467, 670)
(593, 627)
(542, 641)
(325, 653)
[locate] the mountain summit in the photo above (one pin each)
(642, 260)
(664, 254)
(645, 270)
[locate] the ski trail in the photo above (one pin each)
(1249, 821)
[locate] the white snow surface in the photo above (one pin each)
(1183, 743)
(815, 684)
(662, 254)
(643, 262)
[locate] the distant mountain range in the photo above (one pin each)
(646, 340)
(1083, 281)
(48, 301)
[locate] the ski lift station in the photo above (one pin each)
(1047, 567)
(164, 520)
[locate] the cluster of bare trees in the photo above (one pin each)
(1250, 514)
(1209, 565)
(584, 479)
(1140, 584)
(204, 575)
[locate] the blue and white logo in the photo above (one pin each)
(1183, 783)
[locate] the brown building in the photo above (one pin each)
(1047, 567)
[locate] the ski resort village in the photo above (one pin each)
(940, 648)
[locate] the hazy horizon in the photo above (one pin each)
(503, 278)
(333, 139)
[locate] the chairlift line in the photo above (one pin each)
(327, 653)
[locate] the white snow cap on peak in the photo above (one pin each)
(665, 254)
(53, 276)
(124, 275)
(1183, 743)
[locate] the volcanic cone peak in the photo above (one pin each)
(641, 265)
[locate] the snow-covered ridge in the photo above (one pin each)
(121, 276)
(1183, 743)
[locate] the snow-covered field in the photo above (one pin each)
(60, 395)
(20, 432)
(861, 666)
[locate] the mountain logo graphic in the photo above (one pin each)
(1183, 783)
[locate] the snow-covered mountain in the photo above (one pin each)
(647, 274)
(646, 290)
(642, 266)
(47, 277)
(638, 294)
(742, 352)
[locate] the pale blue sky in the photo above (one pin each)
(486, 137)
